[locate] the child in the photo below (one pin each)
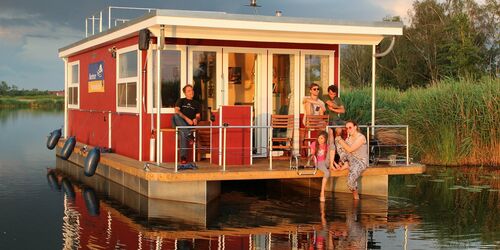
(322, 152)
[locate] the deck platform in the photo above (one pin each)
(159, 181)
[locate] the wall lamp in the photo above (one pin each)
(112, 50)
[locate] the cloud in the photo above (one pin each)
(29, 47)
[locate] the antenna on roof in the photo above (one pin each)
(253, 3)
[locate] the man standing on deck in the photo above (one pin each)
(187, 113)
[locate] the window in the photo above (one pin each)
(172, 77)
(127, 79)
(316, 66)
(73, 84)
(204, 79)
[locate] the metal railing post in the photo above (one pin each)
(86, 27)
(109, 17)
(176, 149)
(270, 148)
(93, 25)
(407, 146)
(368, 142)
(224, 149)
(100, 21)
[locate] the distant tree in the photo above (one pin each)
(4, 88)
(356, 65)
(452, 38)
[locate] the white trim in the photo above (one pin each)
(296, 87)
(182, 49)
(331, 62)
(128, 79)
(295, 27)
(139, 100)
(232, 27)
(65, 97)
(218, 70)
(73, 84)
(338, 71)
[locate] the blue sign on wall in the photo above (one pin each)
(96, 77)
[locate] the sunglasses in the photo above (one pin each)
(315, 89)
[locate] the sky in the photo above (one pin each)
(32, 31)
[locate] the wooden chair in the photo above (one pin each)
(202, 139)
(312, 125)
(282, 135)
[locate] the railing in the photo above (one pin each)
(222, 149)
(98, 17)
(392, 160)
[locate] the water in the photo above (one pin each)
(446, 208)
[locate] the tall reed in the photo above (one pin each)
(451, 122)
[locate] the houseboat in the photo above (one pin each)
(122, 84)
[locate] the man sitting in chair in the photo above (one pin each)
(187, 113)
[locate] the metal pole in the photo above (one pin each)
(86, 27)
(225, 151)
(407, 146)
(176, 147)
(270, 142)
(158, 152)
(100, 21)
(109, 17)
(373, 89)
(368, 142)
(93, 25)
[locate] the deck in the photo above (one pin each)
(203, 184)
(259, 170)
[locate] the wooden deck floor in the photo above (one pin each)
(211, 172)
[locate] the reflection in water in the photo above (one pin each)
(279, 217)
(282, 219)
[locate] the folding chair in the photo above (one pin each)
(312, 125)
(282, 135)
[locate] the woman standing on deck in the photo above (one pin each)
(355, 150)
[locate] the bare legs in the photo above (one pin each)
(323, 186)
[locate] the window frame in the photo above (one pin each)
(331, 70)
(183, 76)
(73, 84)
(125, 80)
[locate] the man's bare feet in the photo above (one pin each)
(355, 195)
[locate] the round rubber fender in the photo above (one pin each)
(91, 162)
(68, 147)
(91, 201)
(68, 189)
(52, 180)
(53, 138)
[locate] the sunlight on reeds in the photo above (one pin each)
(451, 122)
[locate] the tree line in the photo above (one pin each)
(443, 39)
(13, 90)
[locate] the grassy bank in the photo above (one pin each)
(45, 101)
(451, 123)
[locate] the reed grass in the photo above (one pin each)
(32, 102)
(453, 122)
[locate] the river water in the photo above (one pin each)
(41, 208)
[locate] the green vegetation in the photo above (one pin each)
(443, 39)
(451, 122)
(12, 97)
(45, 101)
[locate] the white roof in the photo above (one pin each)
(239, 27)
